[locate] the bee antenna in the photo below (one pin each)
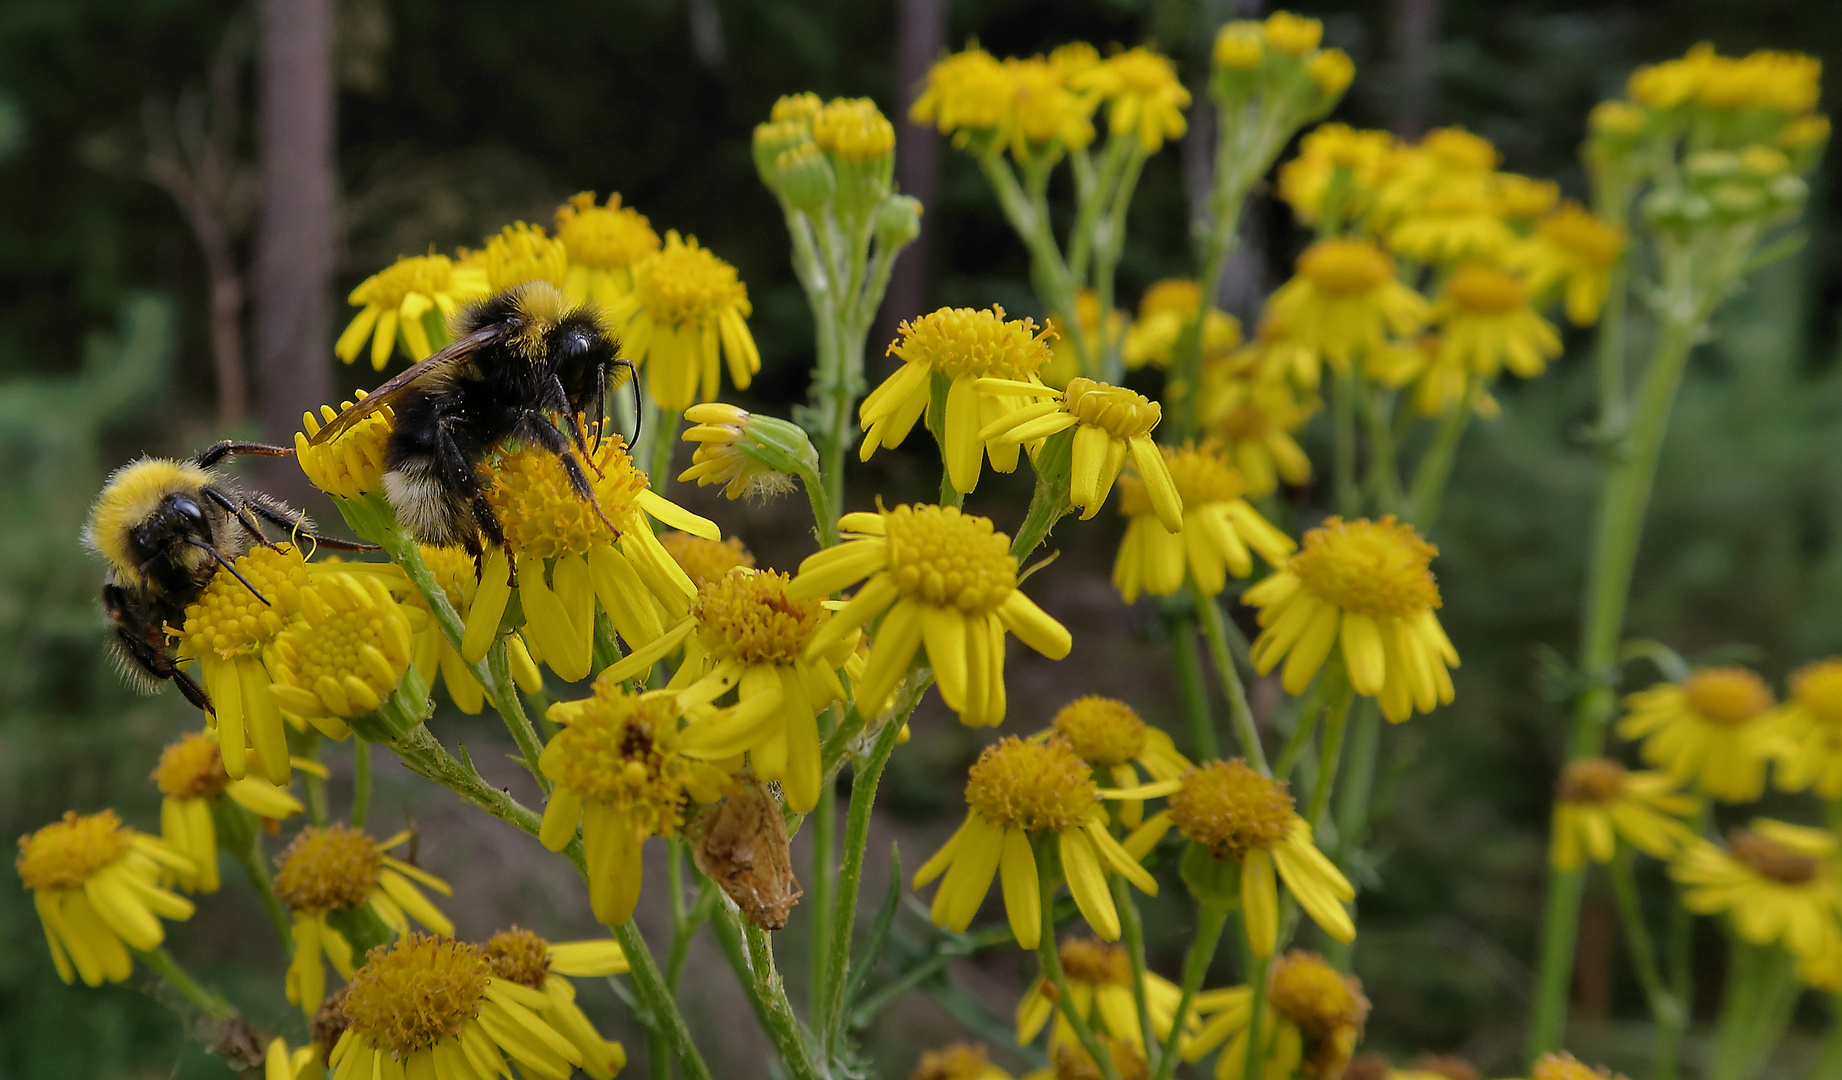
(639, 412)
(225, 563)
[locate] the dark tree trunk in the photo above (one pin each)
(921, 34)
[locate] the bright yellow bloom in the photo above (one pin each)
(1715, 730)
(948, 584)
(967, 93)
(522, 252)
(1446, 173)
(1019, 791)
(1575, 250)
(1116, 743)
(398, 300)
(1144, 97)
(1345, 300)
(1456, 220)
(622, 771)
(1522, 199)
(351, 466)
(1212, 539)
(853, 129)
(1486, 323)
(521, 957)
(1294, 35)
(1809, 749)
(748, 454)
(687, 314)
(1255, 418)
(744, 634)
(603, 243)
(1046, 115)
(344, 654)
(339, 868)
(432, 1007)
(1441, 378)
(96, 885)
(455, 571)
(1331, 71)
(1063, 362)
(704, 560)
(191, 777)
(1312, 1018)
(1099, 979)
(1334, 161)
(1365, 589)
(1779, 884)
(1600, 803)
(1236, 813)
(961, 346)
(1109, 423)
(1781, 81)
(1239, 46)
(959, 1061)
(1164, 312)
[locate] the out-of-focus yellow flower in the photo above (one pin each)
(1334, 161)
(1331, 71)
(1164, 312)
(1785, 82)
(1063, 363)
(1047, 116)
(519, 956)
(1449, 161)
(1809, 750)
(1294, 35)
(1523, 198)
(1601, 803)
(1441, 379)
(960, 346)
(1486, 323)
(958, 1061)
(1253, 419)
(1365, 588)
(1453, 222)
(702, 560)
(96, 885)
(1240, 46)
(1016, 792)
(1099, 977)
(1716, 731)
(1310, 1023)
(1564, 1066)
(351, 466)
(191, 777)
(1216, 530)
(686, 315)
(967, 93)
(395, 301)
(1116, 742)
(1144, 97)
(603, 243)
(345, 653)
(1575, 250)
(523, 252)
(1345, 300)
(1109, 423)
(1779, 884)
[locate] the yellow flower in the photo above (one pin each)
(1164, 312)
(687, 313)
(960, 346)
(1809, 750)
(1600, 803)
(96, 885)
(432, 1007)
(1046, 115)
(1294, 35)
(744, 634)
(351, 466)
(521, 253)
(1364, 588)
(704, 560)
(1239, 46)
(344, 654)
(1099, 979)
(1345, 300)
(1236, 813)
(1145, 99)
(1486, 323)
(604, 553)
(191, 777)
(1573, 249)
(1212, 538)
(967, 93)
(1016, 793)
(339, 869)
(959, 1061)
(853, 130)
(1254, 420)
(622, 770)
(602, 243)
(280, 1063)
(1334, 161)
(1780, 884)
(1522, 199)
(1441, 378)
(1312, 1018)
(1564, 1066)
(1715, 730)
(454, 570)
(948, 584)
(1447, 171)
(749, 454)
(518, 956)
(1063, 363)
(398, 300)
(1331, 71)
(1115, 742)
(1455, 220)
(1109, 423)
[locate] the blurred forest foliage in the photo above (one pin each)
(459, 115)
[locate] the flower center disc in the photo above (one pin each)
(328, 869)
(941, 556)
(229, 620)
(747, 614)
(191, 768)
(1101, 730)
(1314, 995)
(519, 956)
(421, 991)
(1345, 267)
(686, 284)
(543, 516)
(1375, 568)
(1818, 688)
(1597, 781)
(1033, 786)
(1771, 859)
(967, 343)
(425, 274)
(1485, 289)
(1731, 696)
(1229, 808)
(67, 853)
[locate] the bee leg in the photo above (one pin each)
(193, 692)
(575, 423)
(454, 472)
(217, 452)
(298, 524)
(156, 663)
(537, 428)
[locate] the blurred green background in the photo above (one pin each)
(456, 117)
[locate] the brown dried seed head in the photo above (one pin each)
(741, 844)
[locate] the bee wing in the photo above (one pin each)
(455, 352)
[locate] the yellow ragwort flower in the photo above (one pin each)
(1017, 793)
(96, 885)
(1364, 588)
(191, 777)
(622, 771)
(337, 869)
(521, 957)
(1564, 1066)
(1145, 99)
(521, 252)
(430, 650)
(1312, 1018)
(943, 581)
(397, 301)
(704, 560)
(1454, 220)
(1441, 379)
(1116, 743)
(1600, 803)
(1047, 116)
(351, 466)
(1099, 977)
(1254, 420)
(1164, 313)
(1214, 533)
(1809, 750)
(1240, 46)
(344, 654)
(853, 130)
(967, 94)
(1779, 884)
(1716, 731)
(1294, 35)
(1486, 323)
(1346, 300)
(1576, 251)
(281, 1063)
(1335, 161)
(748, 454)
(687, 315)
(960, 346)
(958, 1061)
(602, 244)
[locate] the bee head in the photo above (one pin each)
(147, 515)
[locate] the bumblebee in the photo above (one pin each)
(165, 527)
(523, 365)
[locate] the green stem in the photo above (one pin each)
(643, 973)
(1343, 428)
(1049, 960)
(1384, 472)
(1665, 1010)
(207, 1001)
(728, 932)
(1132, 934)
(1210, 615)
(361, 782)
(238, 830)
(1310, 708)
(1187, 658)
(782, 1026)
(823, 886)
(824, 509)
(1330, 753)
(1210, 920)
(1256, 1052)
(1560, 924)
(830, 1016)
(1048, 503)
(511, 710)
(1353, 805)
(1829, 1057)
(314, 784)
(1679, 959)
(1435, 468)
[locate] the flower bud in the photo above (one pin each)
(750, 454)
(1240, 46)
(1332, 71)
(804, 178)
(775, 138)
(898, 222)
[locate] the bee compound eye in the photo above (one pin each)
(188, 508)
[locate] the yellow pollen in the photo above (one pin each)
(609, 237)
(960, 1061)
(1034, 786)
(1121, 413)
(191, 768)
(1375, 568)
(1594, 782)
(1201, 475)
(67, 853)
(1102, 730)
(853, 129)
(517, 955)
(229, 620)
(328, 869)
(1818, 688)
(1772, 860)
(938, 555)
(1728, 695)
(522, 253)
(1579, 233)
(1482, 288)
(1315, 996)
(704, 561)
(410, 274)
(353, 636)
(746, 614)
(1345, 267)
(966, 343)
(1229, 808)
(685, 284)
(1564, 1066)
(1090, 960)
(542, 515)
(411, 995)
